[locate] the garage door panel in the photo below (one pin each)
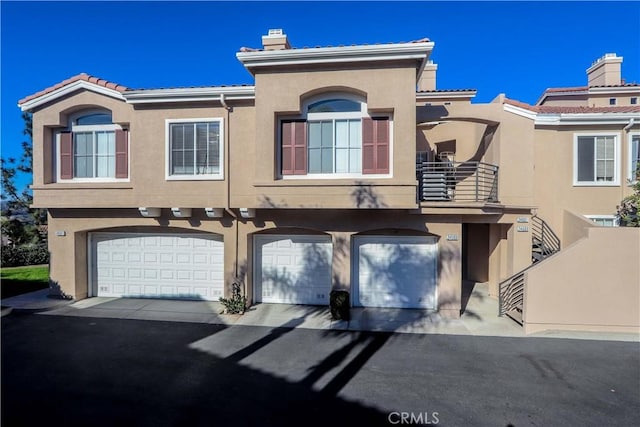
(293, 269)
(395, 272)
(158, 266)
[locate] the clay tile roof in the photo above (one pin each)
(191, 87)
(447, 90)
(553, 109)
(566, 89)
(621, 85)
(250, 49)
(548, 109)
(82, 76)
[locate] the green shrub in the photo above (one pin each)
(237, 304)
(15, 256)
(339, 302)
(629, 209)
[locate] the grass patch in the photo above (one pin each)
(20, 280)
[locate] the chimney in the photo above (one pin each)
(275, 40)
(606, 71)
(427, 80)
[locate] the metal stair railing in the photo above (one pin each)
(544, 242)
(511, 296)
(511, 291)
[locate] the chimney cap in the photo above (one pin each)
(275, 39)
(607, 57)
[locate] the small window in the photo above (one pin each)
(604, 220)
(194, 149)
(612, 101)
(596, 160)
(634, 101)
(634, 157)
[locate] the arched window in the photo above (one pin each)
(334, 106)
(94, 119)
(336, 136)
(93, 148)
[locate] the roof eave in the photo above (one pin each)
(148, 96)
(569, 119)
(613, 89)
(67, 89)
(573, 119)
(344, 54)
(456, 94)
(548, 94)
(519, 111)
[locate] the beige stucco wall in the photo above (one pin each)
(621, 99)
(497, 257)
(593, 99)
(554, 171)
(69, 264)
(574, 227)
(387, 90)
(594, 284)
(486, 133)
(344, 224)
(536, 170)
(55, 116)
(147, 184)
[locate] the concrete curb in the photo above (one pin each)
(34, 302)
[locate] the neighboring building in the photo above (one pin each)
(331, 172)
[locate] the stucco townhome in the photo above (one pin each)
(344, 168)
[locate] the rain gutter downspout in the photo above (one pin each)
(628, 127)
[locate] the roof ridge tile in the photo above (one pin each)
(78, 77)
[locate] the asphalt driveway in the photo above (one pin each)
(79, 371)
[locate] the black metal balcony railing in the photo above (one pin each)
(457, 181)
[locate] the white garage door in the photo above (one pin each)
(395, 272)
(293, 269)
(158, 265)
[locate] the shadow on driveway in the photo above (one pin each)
(111, 372)
(85, 371)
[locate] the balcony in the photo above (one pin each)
(447, 181)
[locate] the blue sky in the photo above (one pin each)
(517, 48)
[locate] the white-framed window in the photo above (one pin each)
(94, 153)
(335, 137)
(596, 159)
(604, 220)
(92, 148)
(194, 149)
(634, 156)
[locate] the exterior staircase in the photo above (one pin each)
(544, 243)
